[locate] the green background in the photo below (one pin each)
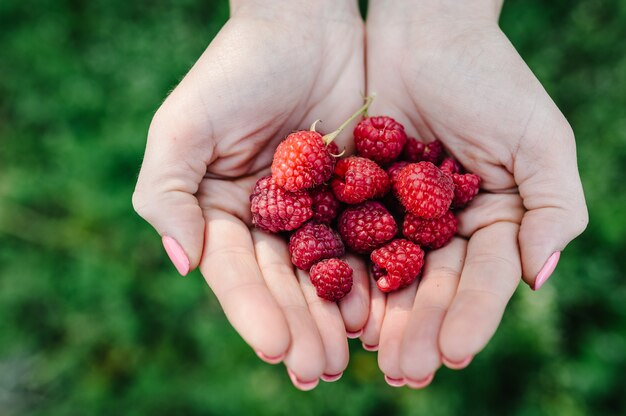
(93, 318)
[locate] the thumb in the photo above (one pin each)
(174, 164)
(549, 184)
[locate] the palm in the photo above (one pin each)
(251, 87)
(469, 88)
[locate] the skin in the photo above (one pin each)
(455, 78)
(448, 72)
(214, 136)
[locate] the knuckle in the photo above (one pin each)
(141, 204)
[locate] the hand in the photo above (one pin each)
(273, 68)
(445, 70)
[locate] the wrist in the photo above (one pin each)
(384, 11)
(327, 10)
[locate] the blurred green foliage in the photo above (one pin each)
(93, 319)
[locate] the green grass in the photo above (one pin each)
(92, 317)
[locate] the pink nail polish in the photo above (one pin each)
(331, 378)
(546, 270)
(395, 382)
(177, 254)
(420, 384)
(354, 335)
(457, 365)
(370, 347)
(302, 385)
(270, 360)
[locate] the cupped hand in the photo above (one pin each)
(445, 70)
(272, 69)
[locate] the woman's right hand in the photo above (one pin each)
(272, 69)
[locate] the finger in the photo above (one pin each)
(490, 275)
(548, 181)
(176, 158)
(355, 306)
(305, 359)
(397, 313)
(487, 209)
(419, 356)
(371, 331)
(230, 268)
(330, 326)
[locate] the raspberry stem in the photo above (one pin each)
(333, 135)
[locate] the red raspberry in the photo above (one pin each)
(275, 209)
(366, 227)
(433, 233)
(332, 279)
(302, 161)
(416, 151)
(396, 264)
(394, 169)
(325, 205)
(424, 190)
(358, 179)
(380, 139)
(312, 243)
(450, 165)
(465, 188)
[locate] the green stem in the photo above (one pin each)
(333, 135)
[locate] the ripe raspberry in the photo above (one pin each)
(325, 205)
(358, 179)
(396, 264)
(380, 139)
(302, 161)
(416, 151)
(450, 165)
(465, 188)
(394, 169)
(424, 190)
(433, 233)
(312, 243)
(275, 209)
(332, 279)
(366, 227)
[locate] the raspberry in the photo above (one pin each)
(314, 242)
(396, 264)
(332, 279)
(450, 165)
(416, 151)
(366, 227)
(424, 190)
(275, 209)
(394, 169)
(465, 188)
(358, 179)
(433, 233)
(325, 205)
(302, 161)
(380, 139)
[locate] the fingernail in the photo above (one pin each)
(177, 254)
(370, 347)
(546, 270)
(420, 384)
(270, 360)
(457, 365)
(395, 382)
(354, 335)
(330, 378)
(302, 385)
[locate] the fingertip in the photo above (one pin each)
(546, 271)
(176, 254)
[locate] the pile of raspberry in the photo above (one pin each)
(392, 201)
